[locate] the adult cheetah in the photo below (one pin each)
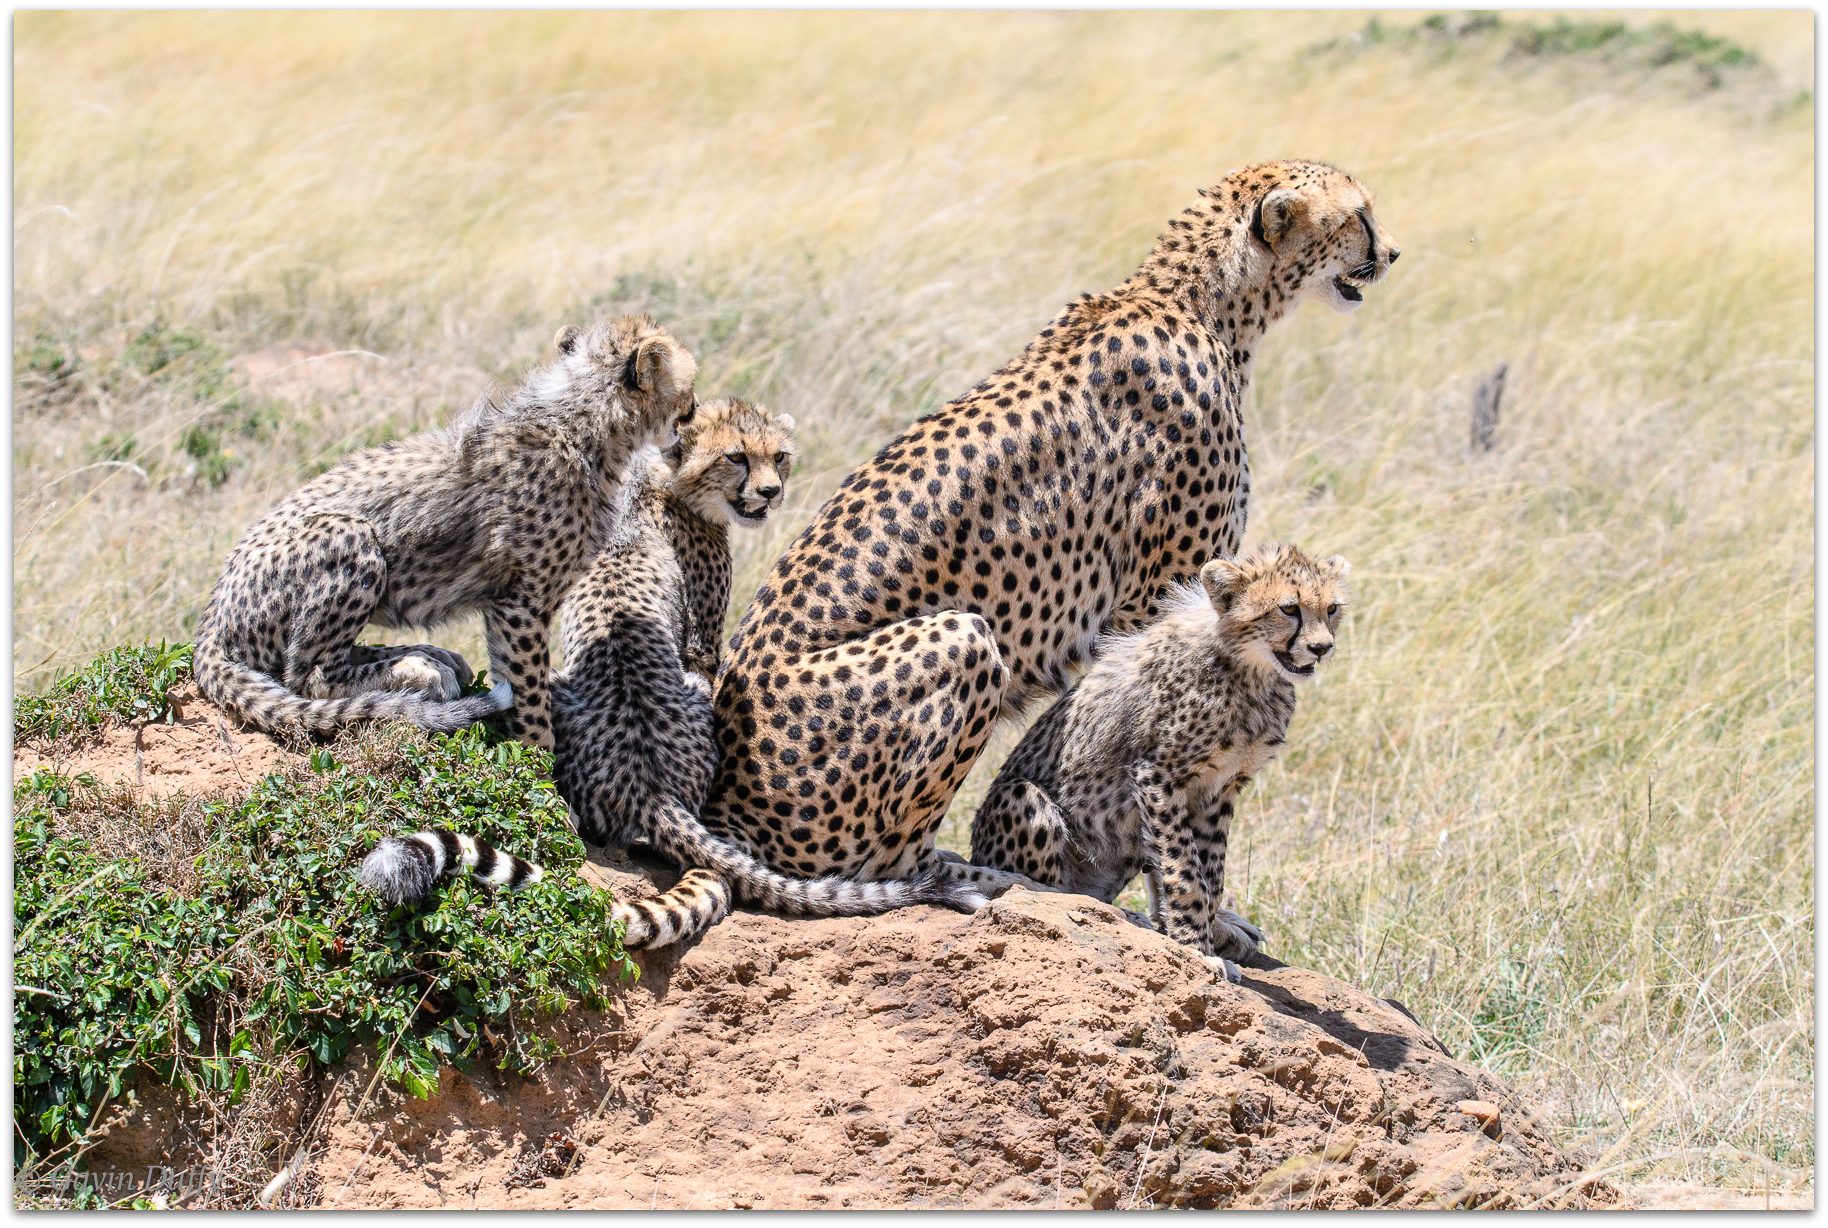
(973, 564)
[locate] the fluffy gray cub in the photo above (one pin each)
(499, 512)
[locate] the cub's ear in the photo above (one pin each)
(566, 340)
(1338, 563)
(1223, 580)
(784, 421)
(1279, 213)
(661, 365)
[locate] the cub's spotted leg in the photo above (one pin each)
(437, 672)
(843, 761)
(1018, 827)
(519, 638)
(987, 883)
(1233, 937)
(1169, 846)
(342, 574)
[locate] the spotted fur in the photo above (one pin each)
(976, 561)
(1137, 768)
(499, 512)
(632, 708)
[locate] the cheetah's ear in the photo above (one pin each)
(1223, 580)
(784, 421)
(661, 365)
(1338, 563)
(566, 340)
(1278, 214)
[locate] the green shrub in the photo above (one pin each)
(125, 684)
(235, 942)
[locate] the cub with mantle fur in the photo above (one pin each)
(499, 512)
(636, 752)
(1139, 765)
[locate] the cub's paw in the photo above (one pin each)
(1233, 936)
(1142, 919)
(1223, 967)
(460, 668)
(432, 678)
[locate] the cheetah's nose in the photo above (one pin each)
(1320, 650)
(767, 492)
(1394, 253)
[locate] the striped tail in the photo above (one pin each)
(680, 836)
(263, 702)
(699, 900)
(402, 869)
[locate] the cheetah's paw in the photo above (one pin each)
(1224, 967)
(1233, 936)
(434, 679)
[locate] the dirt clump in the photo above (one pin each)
(202, 752)
(1043, 1052)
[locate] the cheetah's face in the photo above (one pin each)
(1278, 607)
(629, 363)
(732, 462)
(1328, 243)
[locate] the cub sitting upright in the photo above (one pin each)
(499, 512)
(1138, 766)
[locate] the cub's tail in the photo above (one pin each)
(263, 702)
(402, 869)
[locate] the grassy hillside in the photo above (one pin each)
(1557, 792)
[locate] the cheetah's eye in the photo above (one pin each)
(738, 458)
(780, 458)
(1332, 609)
(1291, 609)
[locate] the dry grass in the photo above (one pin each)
(1557, 793)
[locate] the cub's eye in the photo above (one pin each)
(737, 458)
(1332, 609)
(1291, 609)
(780, 458)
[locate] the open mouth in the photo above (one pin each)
(1351, 285)
(1287, 662)
(756, 516)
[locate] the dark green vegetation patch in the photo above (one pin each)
(212, 944)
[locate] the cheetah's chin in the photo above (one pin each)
(1287, 662)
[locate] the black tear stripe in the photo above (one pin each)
(1364, 219)
(1289, 649)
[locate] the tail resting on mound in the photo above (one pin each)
(264, 702)
(720, 871)
(402, 869)
(680, 836)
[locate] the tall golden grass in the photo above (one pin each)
(1557, 792)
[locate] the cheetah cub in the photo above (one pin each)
(1138, 766)
(499, 512)
(636, 746)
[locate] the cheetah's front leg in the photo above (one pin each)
(519, 637)
(1170, 847)
(1233, 937)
